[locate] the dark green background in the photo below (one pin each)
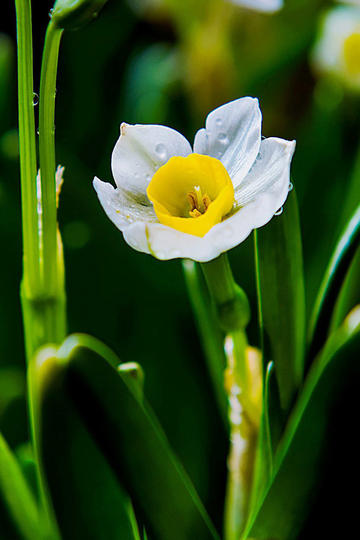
(126, 68)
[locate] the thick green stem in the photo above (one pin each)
(27, 143)
(233, 312)
(52, 266)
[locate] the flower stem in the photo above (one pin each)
(27, 144)
(233, 311)
(52, 269)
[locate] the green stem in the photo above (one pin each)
(27, 143)
(233, 312)
(53, 282)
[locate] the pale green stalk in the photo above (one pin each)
(42, 294)
(28, 167)
(42, 289)
(233, 313)
(52, 266)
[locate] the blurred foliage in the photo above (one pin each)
(171, 62)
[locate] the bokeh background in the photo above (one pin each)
(171, 62)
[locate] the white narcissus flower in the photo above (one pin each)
(269, 6)
(173, 202)
(337, 50)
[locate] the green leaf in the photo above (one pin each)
(211, 336)
(88, 501)
(281, 299)
(335, 274)
(298, 460)
(83, 377)
(19, 516)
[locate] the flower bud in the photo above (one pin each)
(71, 14)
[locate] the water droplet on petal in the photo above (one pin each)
(291, 186)
(223, 138)
(160, 150)
(35, 99)
(279, 212)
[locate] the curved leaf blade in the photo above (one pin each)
(88, 502)
(127, 434)
(298, 460)
(330, 287)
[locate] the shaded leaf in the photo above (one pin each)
(83, 376)
(330, 287)
(281, 297)
(87, 499)
(297, 465)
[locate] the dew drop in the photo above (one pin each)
(35, 99)
(37, 132)
(51, 12)
(160, 150)
(223, 138)
(279, 212)
(291, 186)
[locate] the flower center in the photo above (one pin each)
(352, 53)
(190, 187)
(198, 202)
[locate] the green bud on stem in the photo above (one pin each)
(71, 14)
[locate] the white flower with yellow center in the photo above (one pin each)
(173, 202)
(337, 50)
(269, 6)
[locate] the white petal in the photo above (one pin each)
(232, 134)
(140, 151)
(328, 52)
(270, 173)
(269, 6)
(121, 207)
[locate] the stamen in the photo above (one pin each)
(206, 201)
(198, 202)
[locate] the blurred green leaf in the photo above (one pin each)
(82, 376)
(281, 297)
(333, 279)
(87, 499)
(298, 461)
(19, 517)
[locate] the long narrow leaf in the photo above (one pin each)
(298, 461)
(281, 297)
(334, 277)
